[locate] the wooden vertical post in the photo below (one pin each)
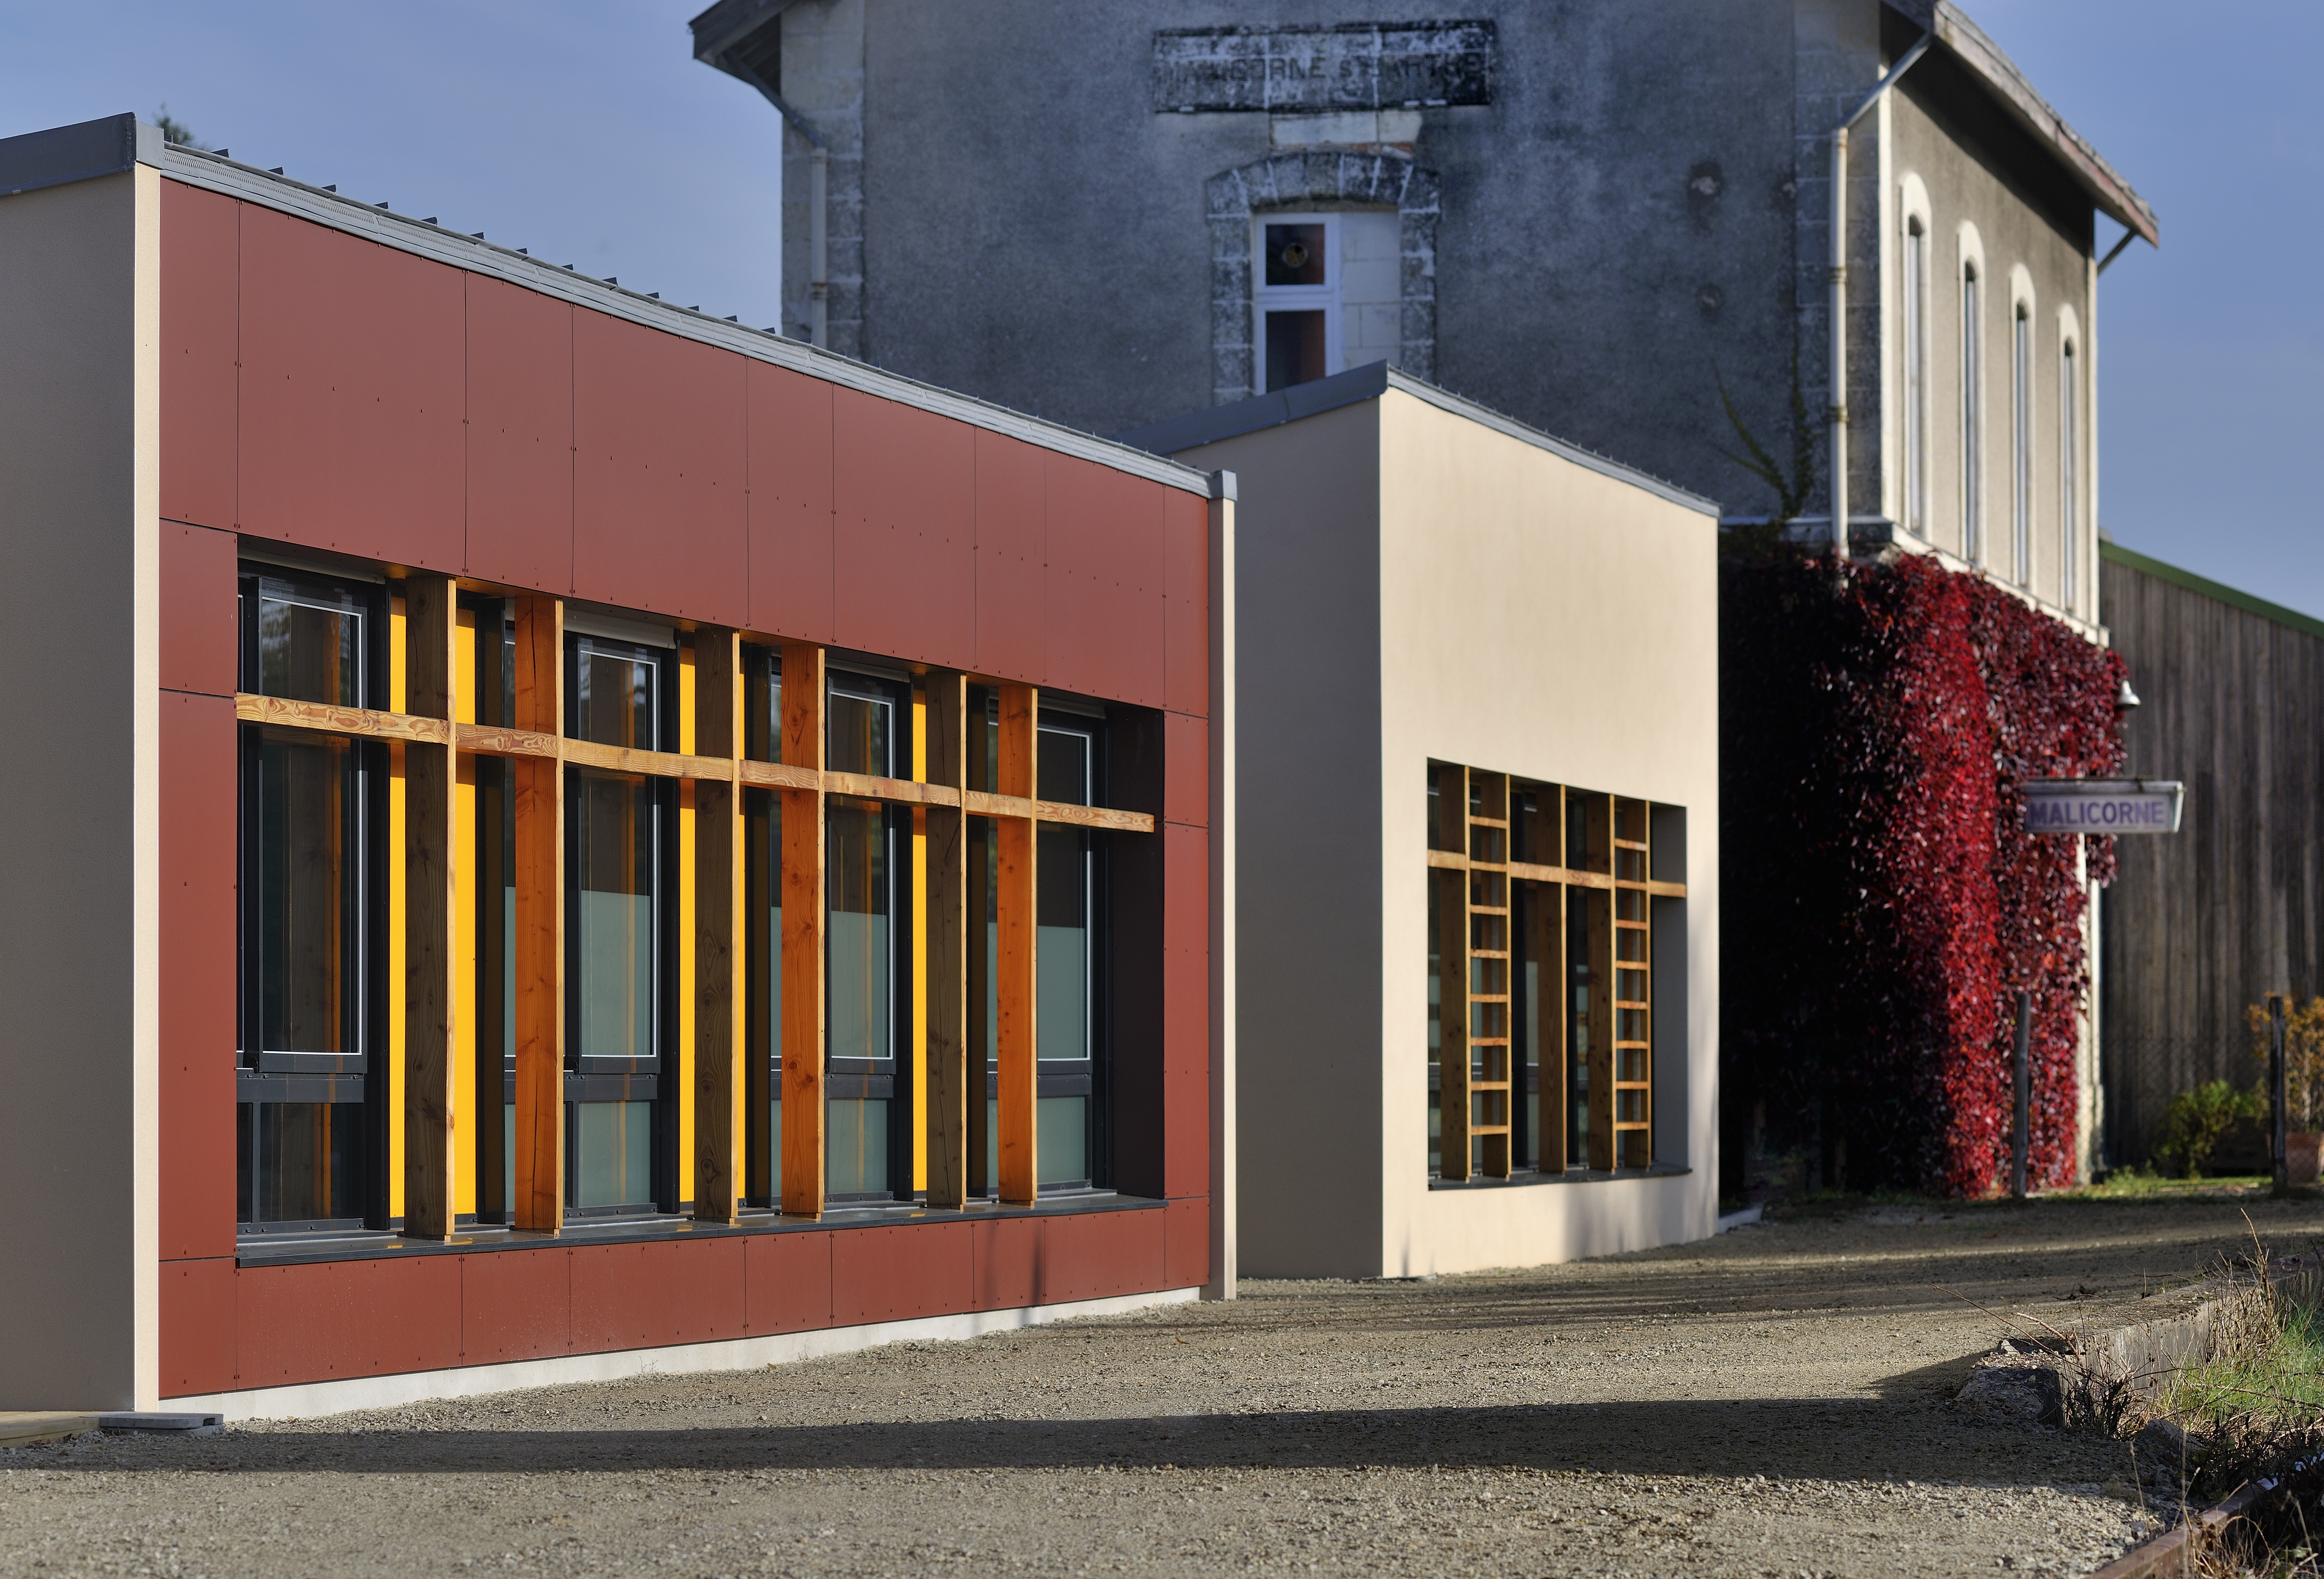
(1016, 967)
(539, 959)
(948, 1106)
(1452, 981)
(720, 1075)
(804, 692)
(430, 1125)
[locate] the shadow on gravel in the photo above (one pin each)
(1735, 1438)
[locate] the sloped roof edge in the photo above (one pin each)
(1175, 435)
(1967, 43)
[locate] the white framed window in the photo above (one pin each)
(1972, 412)
(1916, 378)
(2021, 440)
(2069, 469)
(1326, 293)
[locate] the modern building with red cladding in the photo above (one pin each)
(554, 836)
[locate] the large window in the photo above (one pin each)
(615, 950)
(2070, 473)
(580, 932)
(1326, 293)
(1541, 1046)
(2020, 441)
(1916, 379)
(1972, 417)
(305, 1134)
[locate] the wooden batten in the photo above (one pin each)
(804, 690)
(720, 1076)
(538, 961)
(947, 926)
(1600, 949)
(1016, 967)
(431, 1104)
(1452, 981)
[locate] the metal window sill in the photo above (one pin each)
(292, 1249)
(1571, 1176)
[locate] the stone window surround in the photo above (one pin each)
(1317, 179)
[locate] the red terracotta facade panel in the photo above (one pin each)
(648, 1296)
(904, 564)
(520, 436)
(1103, 595)
(1186, 1010)
(1185, 770)
(329, 1321)
(200, 294)
(1012, 560)
(351, 436)
(1102, 1255)
(198, 1327)
(197, 774)
(661, 510)
(1010, 1256)
(893, 1274)
(1186, 1243)
(199, 610)
(786, 1282)
(516, 1305)
(790, 439)
(1187, 595)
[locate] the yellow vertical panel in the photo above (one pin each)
(678, 1068)
(919, 947)
(393, 1063)
(464, 924)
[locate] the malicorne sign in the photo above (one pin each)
(2103, 806)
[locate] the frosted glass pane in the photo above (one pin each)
(855, 1146)
(616, 966)
(1061, 1141)
(1061, 1014)
(612, 1154)
(860, 994)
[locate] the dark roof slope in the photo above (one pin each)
(1176, 434)
(1967, 43)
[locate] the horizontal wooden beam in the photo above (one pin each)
(1452, 860)
(486, 740)
(340, 721)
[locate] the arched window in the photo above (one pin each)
(1916, 378)
(1972, 384)
(2069, 469)
(1324, 294)
(2021, 434)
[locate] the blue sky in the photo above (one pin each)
(585, 130)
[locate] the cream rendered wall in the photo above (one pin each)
(1413, 583)
(80, 419)
(1307, 669)
(1542, 618)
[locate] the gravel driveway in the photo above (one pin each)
(1770, 1402)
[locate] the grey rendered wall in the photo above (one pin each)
(1979, 169)
(79, 895)
(1617, 229)
(1308, 664)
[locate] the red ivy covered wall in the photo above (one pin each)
(1882, 903)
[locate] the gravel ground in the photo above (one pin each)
(1774, 1402)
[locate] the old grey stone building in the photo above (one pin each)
(1591, 217)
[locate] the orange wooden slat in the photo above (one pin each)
(538, 962)
(804, 1052)
(1014, 956)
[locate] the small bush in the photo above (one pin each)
(2197, 1120)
